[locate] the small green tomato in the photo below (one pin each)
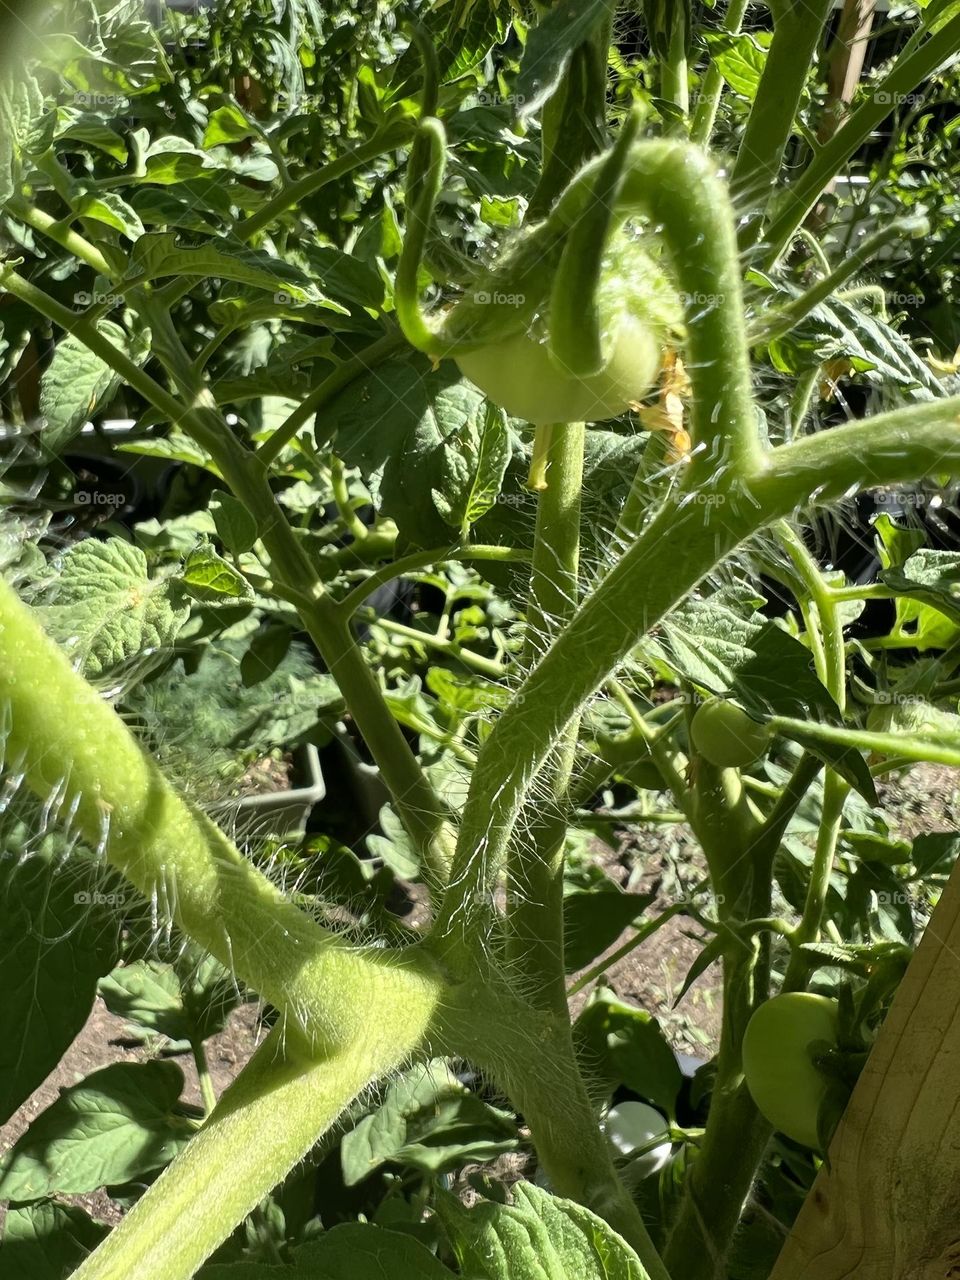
(778, 1061)
(726, 736)
(640, 314)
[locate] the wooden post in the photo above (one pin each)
(889, 1207)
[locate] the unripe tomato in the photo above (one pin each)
(518, 375)
(726, 736)
(638, 310)
(631, 1127)
(778, 1050)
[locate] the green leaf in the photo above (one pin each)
(175, 447)
(838, 330)
(929, 613)
(47, 1241)
(345, 277)
(236, 527)
(412, 430)
(464, 693)
(21, 104)
(740, 59)
(358, 1250)
(723, 644)
(363, 1251)
(213, 580)
(429, 1121)
(593, 920)
(57, 937)
(267, 650)
(107, 207)
(474, 463)
(115, 1125)
(105, 607)
(935, 853)
(844, 757)
(538, 1237)
(186, 1002)
(157, 255)
(227, 124)
(551, 44)
(624, 1045)
(395, 847)
(80, 126)
(76, 383)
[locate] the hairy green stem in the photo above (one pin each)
(788, 317)
(796, 34)
(708, 97)
(207, 1091)
(176, 857)
(265, 1122)
(835, 792)
(536, 859)
(61, 234)
(341, 496)
(834, 674)
(392, 138)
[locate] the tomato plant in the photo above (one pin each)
(318, 269)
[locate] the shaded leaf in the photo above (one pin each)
(47, 1241)
(115, 1125)
(429, 1121)
(57, 937)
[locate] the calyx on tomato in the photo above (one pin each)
(779, 1047)
(726, 736)
(517, 369)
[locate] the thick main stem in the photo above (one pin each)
(266, 1121)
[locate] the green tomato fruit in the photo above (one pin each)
(639, 313)
(778, 1061)
(519, 375)
(726, 736)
